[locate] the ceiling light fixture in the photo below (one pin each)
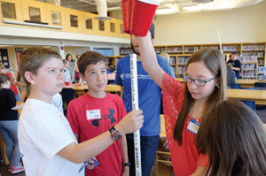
(202, 1)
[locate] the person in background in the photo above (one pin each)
(235, 63)
(77, 69)
(149, 101)
(187, 105)
(96, 112)
(71, 67)
(66, 72)
(9, 123)
(234, 137)
(231, 75)
(47, 142)
(12, 82)
(167, 58)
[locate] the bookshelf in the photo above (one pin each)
(249, 67)
(114, 59)
(179, 63)
(247, 51)
(253, 49)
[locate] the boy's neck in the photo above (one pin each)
(40, 96)
(97, 94)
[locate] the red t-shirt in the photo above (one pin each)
(186, 158)
(12, 87)
(90, 117)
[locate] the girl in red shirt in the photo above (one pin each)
(186, 105)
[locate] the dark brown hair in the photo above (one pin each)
(3, 79)
(89, 58)
(214, 61)
(235, 140)
(32, 59)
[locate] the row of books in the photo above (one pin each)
(182, 60)
(175, 49)
(230, 48)
(248, 66)
(181, 70)
(191, 49)
(248, 58)
(159, 50)
(172, 60)
(258, 54)
(253, 47)
(248, 74)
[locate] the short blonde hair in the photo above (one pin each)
(165, 56)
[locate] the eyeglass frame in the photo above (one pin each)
(194, 80)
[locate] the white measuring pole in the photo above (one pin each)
(135, 106)
(220, 42)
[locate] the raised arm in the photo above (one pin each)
(149, 59)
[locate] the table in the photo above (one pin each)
(80, 90)
(246, 94)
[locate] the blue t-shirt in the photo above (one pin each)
(149, 93)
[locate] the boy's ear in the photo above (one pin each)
(29, 77)
(82, 76)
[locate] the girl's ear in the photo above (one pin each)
(218, 81)
(30, 77)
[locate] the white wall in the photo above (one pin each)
(246, 24)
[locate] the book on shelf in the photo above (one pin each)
(181, 70)
(253, 47)
(191, 49)
(261, 70)
(182, 60)
(248, 66)
(172, 60)
(248, 59)
(230, 48)
(174, 49)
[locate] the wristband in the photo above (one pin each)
(126, 164)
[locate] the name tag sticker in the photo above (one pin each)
(193, 126)
(93, 114)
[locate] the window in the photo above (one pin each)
(104, 51)
(73, 21)
(121, 29)
(112, 27)
(56, 18)
(88, 23)
(35, 14)
(8, 10)
(101, 25)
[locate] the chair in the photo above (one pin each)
(250, 103)
(261, 85)
(234, 86)
(68, 94)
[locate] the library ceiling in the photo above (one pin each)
(166, 6)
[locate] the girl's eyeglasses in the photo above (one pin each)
(198, 82)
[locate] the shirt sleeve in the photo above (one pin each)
(203, 160)
(72, 118)
(122, 110)
(173, 97)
